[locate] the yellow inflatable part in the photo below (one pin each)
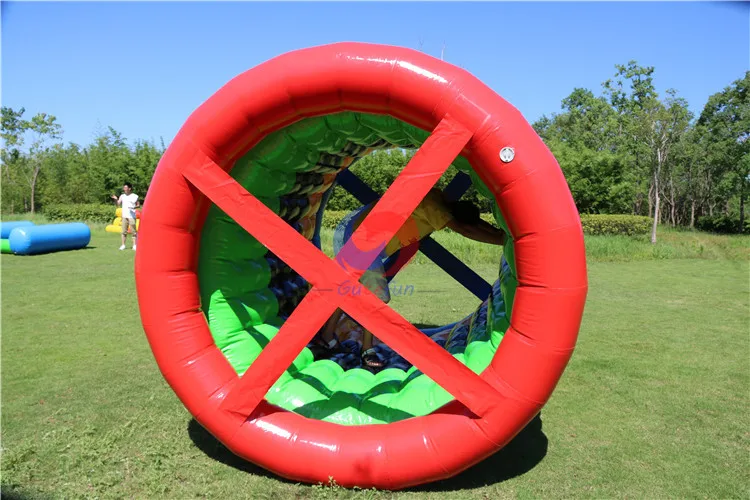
(118, 213)
(118, 222)
(117, 228)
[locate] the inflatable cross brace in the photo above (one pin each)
(428, 246)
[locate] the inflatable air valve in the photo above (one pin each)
(31, 240)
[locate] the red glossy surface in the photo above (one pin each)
(530, 191)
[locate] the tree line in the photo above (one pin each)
(38, 169)
(625, 150)
(629, 150)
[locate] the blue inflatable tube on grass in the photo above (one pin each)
(30, 240)
(7, 227)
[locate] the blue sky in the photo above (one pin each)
(143, 67)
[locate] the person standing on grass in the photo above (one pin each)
(129, 202)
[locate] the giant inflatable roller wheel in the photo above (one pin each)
(231, 288)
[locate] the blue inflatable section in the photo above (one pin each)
(7, 227)
(29, 240)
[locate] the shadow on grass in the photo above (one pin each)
(213, 448)
(51, 252)
(518, 457)
(9, 493)
(521, 455)
(425, 326)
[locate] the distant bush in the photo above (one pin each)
(722, 224)
(488, 218)
(331, 218)
(601, 224)
(629, 225)
(84, 212)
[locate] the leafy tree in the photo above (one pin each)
(662, 125)
(587, 122)
(725, 124)
(11, 131)
(632, 95)
(686, 182)
(20, 167)
(44, 128)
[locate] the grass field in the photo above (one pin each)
(654, 402)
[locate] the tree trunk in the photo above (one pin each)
(650, 199)
(692, 214)
(657, 199)
(656, 207)
(33, 187)
(637, 204)
(742, 207)
(673, 202)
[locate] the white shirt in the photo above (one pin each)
(128, 205)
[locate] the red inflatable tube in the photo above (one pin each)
(466, 116)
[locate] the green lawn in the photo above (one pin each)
(653, 404)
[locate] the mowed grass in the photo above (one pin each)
(671, 244)
(653, 404)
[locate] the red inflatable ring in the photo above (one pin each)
(467, 118)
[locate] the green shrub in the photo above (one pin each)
(331, 218)
(595, 224)
(84, 212)
(601, 224)
(489, 218)
(722, 224)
